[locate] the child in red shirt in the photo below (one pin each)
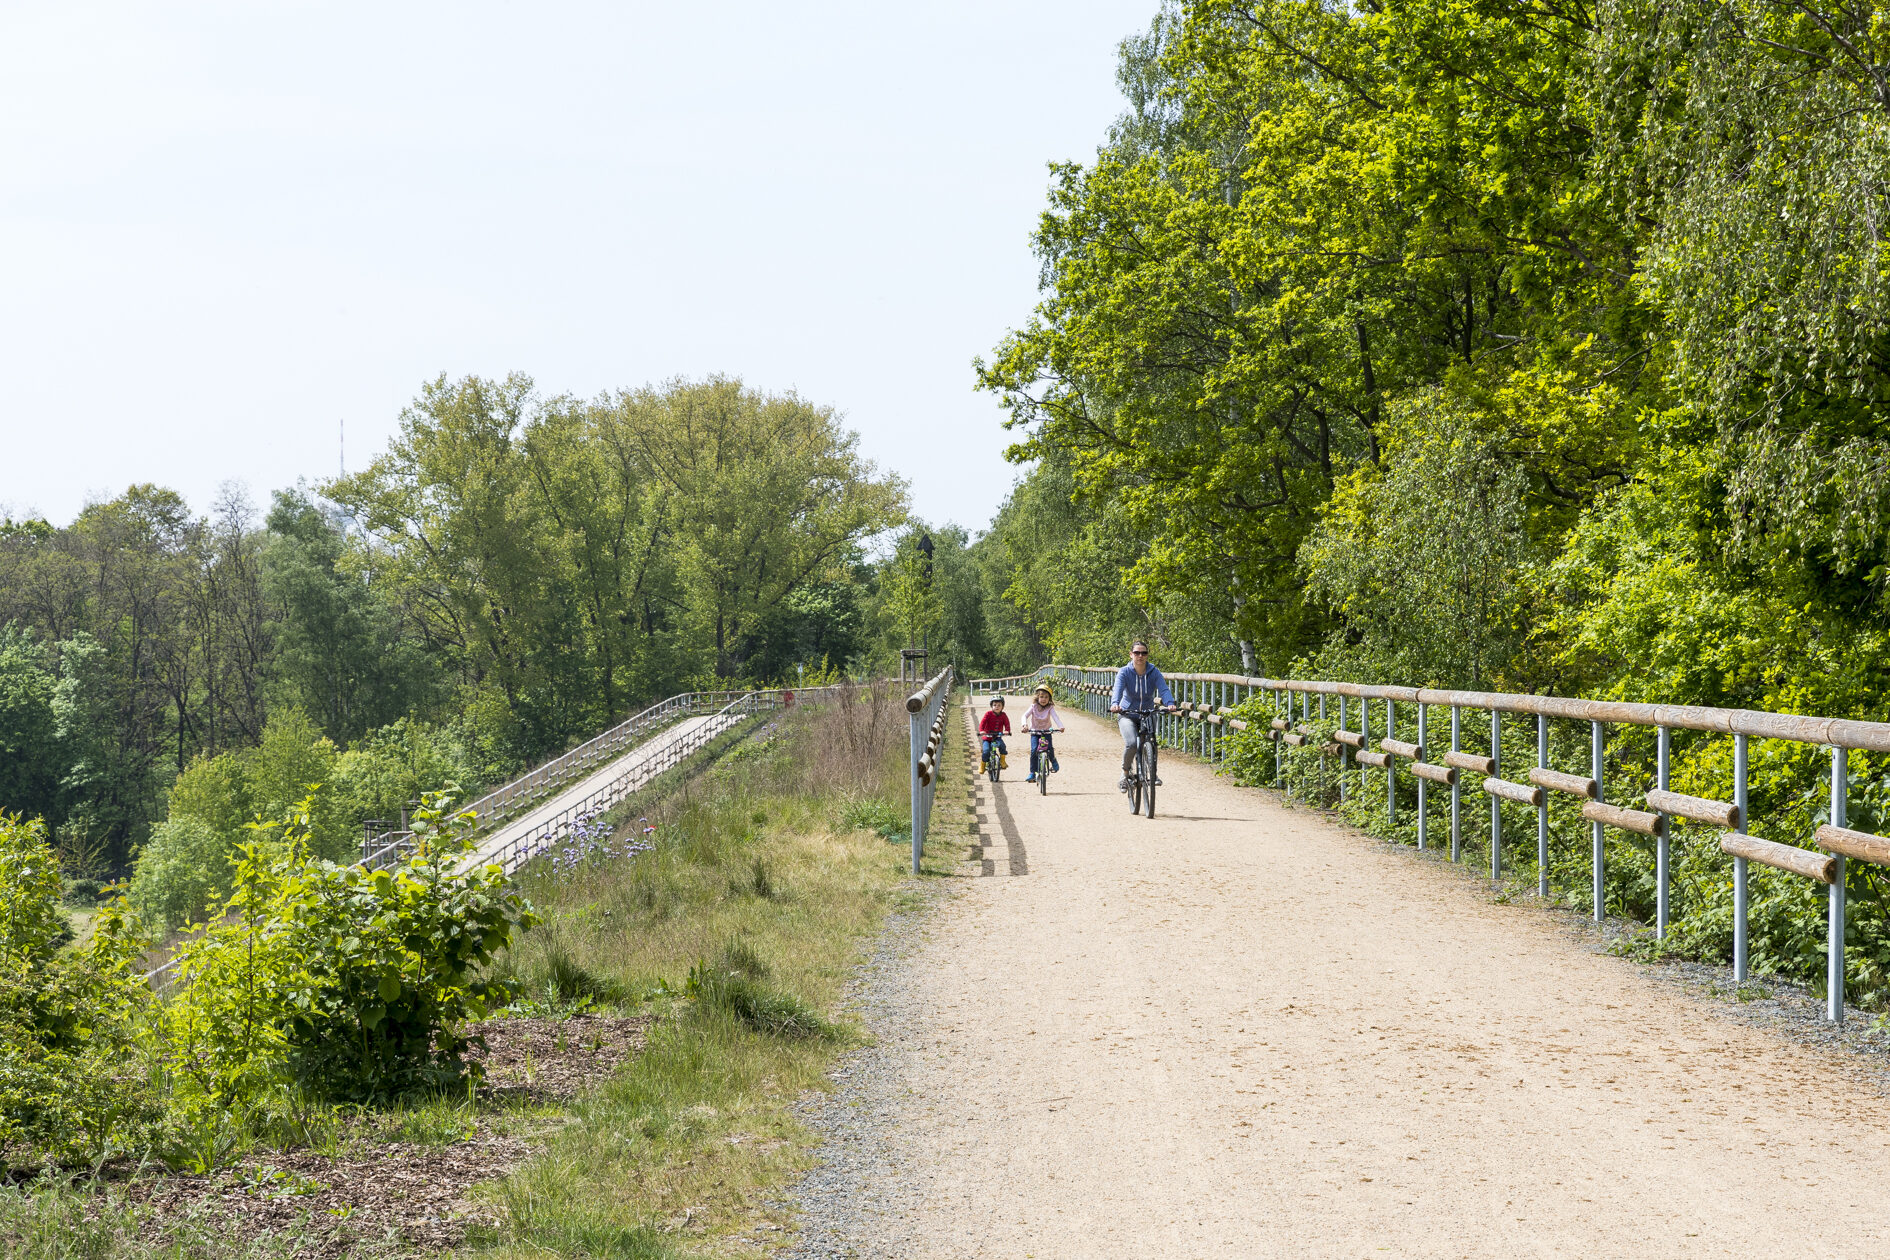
(992, 729)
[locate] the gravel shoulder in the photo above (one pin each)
(1244, 1030)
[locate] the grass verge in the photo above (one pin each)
(741, 925)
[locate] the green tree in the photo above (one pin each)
(32, 757)
(1425, 560)
(340, 649)
(765, 495)
(462, 542)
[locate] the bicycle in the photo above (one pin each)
(1143, 778)
(1042, 753)
(993, 759)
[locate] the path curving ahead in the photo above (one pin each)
(1240, 1030)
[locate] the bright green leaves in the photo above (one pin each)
(1314, 213)
(355, 984)
(68, 1018)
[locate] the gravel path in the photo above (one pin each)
(1241, 1030)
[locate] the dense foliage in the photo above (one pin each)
(1457, 342)
(1495, 344)
(316, 983)
(70, 1085)
(514, 574)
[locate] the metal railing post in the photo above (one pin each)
(1322, 746)
(919, 733)
(1423, 822)
(1542, 810)
(1496, 805)
(1391, 764)
(1834, 945)
(1660, 841)
(1364, 739)
(925, 710)
(1344, 751)
(1598, 739)
(1279, 746)
(1741, 961)
(1456, 788)
(1200, 698)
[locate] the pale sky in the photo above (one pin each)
(226, 228)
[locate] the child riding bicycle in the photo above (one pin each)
(992, 729)
(1040, 720)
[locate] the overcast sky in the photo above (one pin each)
(226, 228)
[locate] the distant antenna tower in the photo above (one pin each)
(342, 445)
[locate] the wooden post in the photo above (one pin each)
(1423, 821)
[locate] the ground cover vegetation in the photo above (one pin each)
(1502, 345)
(619, 1075)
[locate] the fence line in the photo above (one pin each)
(1209, 701)
(925, 711)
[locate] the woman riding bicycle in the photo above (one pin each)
(1139, 686)
(1039, 721)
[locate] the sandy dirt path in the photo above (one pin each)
(1239, 1030)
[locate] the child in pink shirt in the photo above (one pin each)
(1039, 720)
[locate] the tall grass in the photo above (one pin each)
(742, 922)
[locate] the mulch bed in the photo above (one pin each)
(550, 1059)
(391, 1197)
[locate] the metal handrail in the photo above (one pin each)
(1211, 700)
(925, 711)
(502, 805)
(522, 848)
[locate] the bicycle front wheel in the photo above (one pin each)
(1145, 768)
(1135, 785)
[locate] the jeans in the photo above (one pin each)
(987, 742)
(1127, 725)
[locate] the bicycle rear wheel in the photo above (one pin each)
(1145, 770)
(1135, 784)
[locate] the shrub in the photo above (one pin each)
(353, 984)
(180, 871)
(71, 1085)
(387, 768)
(84, 892)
